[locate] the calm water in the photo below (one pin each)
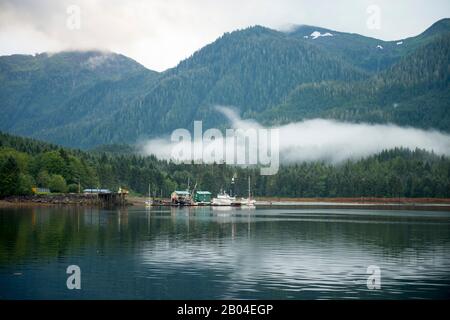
(205, 253)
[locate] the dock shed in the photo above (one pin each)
(203, 197)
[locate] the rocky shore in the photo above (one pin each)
(54, 199)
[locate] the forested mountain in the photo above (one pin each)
(86, 99)
(250, 69)
(370, 54)
(41, 94)
(415, 91)
(25, 163)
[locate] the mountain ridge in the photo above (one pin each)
(85, 99)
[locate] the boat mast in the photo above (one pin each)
(248, 188)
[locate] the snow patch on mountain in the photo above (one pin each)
(317, 34)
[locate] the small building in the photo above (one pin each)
(202, 197)
(97, 191)
(108, 197)
(180, 197)
(37, 190)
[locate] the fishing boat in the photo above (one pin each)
(223, 199)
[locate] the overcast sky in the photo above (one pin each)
(160, 33)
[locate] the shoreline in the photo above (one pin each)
(424, 204)
(56, 199)
(359, 200)
(434, 204)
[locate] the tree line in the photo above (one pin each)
(27, 163)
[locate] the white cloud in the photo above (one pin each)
(327, 140)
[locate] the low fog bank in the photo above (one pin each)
(326, 140)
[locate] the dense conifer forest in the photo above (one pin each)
(25, 163)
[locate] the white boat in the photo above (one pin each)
(149, 201)
(249, 202)
(223, 199)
